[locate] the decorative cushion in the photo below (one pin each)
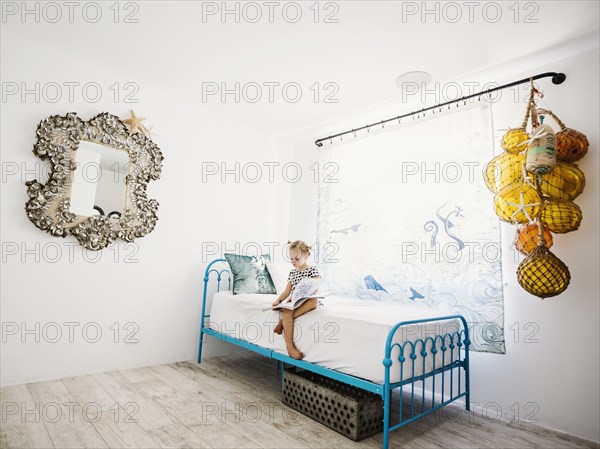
(279, 272)
(250, 274)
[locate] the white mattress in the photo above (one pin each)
(344, 334)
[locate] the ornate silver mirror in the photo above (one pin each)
(96, 190)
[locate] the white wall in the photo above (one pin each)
(552, 363)
(157, 282)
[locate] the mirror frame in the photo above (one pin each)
(48, 207)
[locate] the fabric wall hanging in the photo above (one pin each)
(406, 222)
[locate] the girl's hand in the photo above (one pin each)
(279, 301)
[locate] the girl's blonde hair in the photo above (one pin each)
(301, 245)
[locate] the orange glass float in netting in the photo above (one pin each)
(517, 203)
(543, 274)
(513, 141)
(528, 238)
(503, 170)
(571, 145)
(561, 217)
(564, 182)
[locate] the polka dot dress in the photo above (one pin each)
(297, 275)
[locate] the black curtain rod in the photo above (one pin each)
(557, 78)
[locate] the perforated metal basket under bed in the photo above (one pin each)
(351, 411)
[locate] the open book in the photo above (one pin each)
(305, 290)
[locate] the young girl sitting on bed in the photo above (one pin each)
(299, 252)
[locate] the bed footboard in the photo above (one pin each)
(438, 367)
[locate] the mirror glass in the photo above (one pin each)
(99, 181)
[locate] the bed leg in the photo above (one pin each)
(200, 347)
(467, 367)
(386, 416)
(387, 405)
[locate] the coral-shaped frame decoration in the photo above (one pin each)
(48, 208)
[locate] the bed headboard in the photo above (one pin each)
(219, 272)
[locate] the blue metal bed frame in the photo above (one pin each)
(408, 352)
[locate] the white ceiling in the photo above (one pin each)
(172, 48)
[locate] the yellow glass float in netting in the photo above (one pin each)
(543, 274)
(517, 203)
(564, 182)
(514, 140)
(528, 238)
(561, 217)
(503, 170)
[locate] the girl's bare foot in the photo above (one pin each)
(279, 328)
(294, 353)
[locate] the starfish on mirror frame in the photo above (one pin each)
(149, 131)
(135, 124)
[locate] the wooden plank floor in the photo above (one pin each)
(226, 402)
